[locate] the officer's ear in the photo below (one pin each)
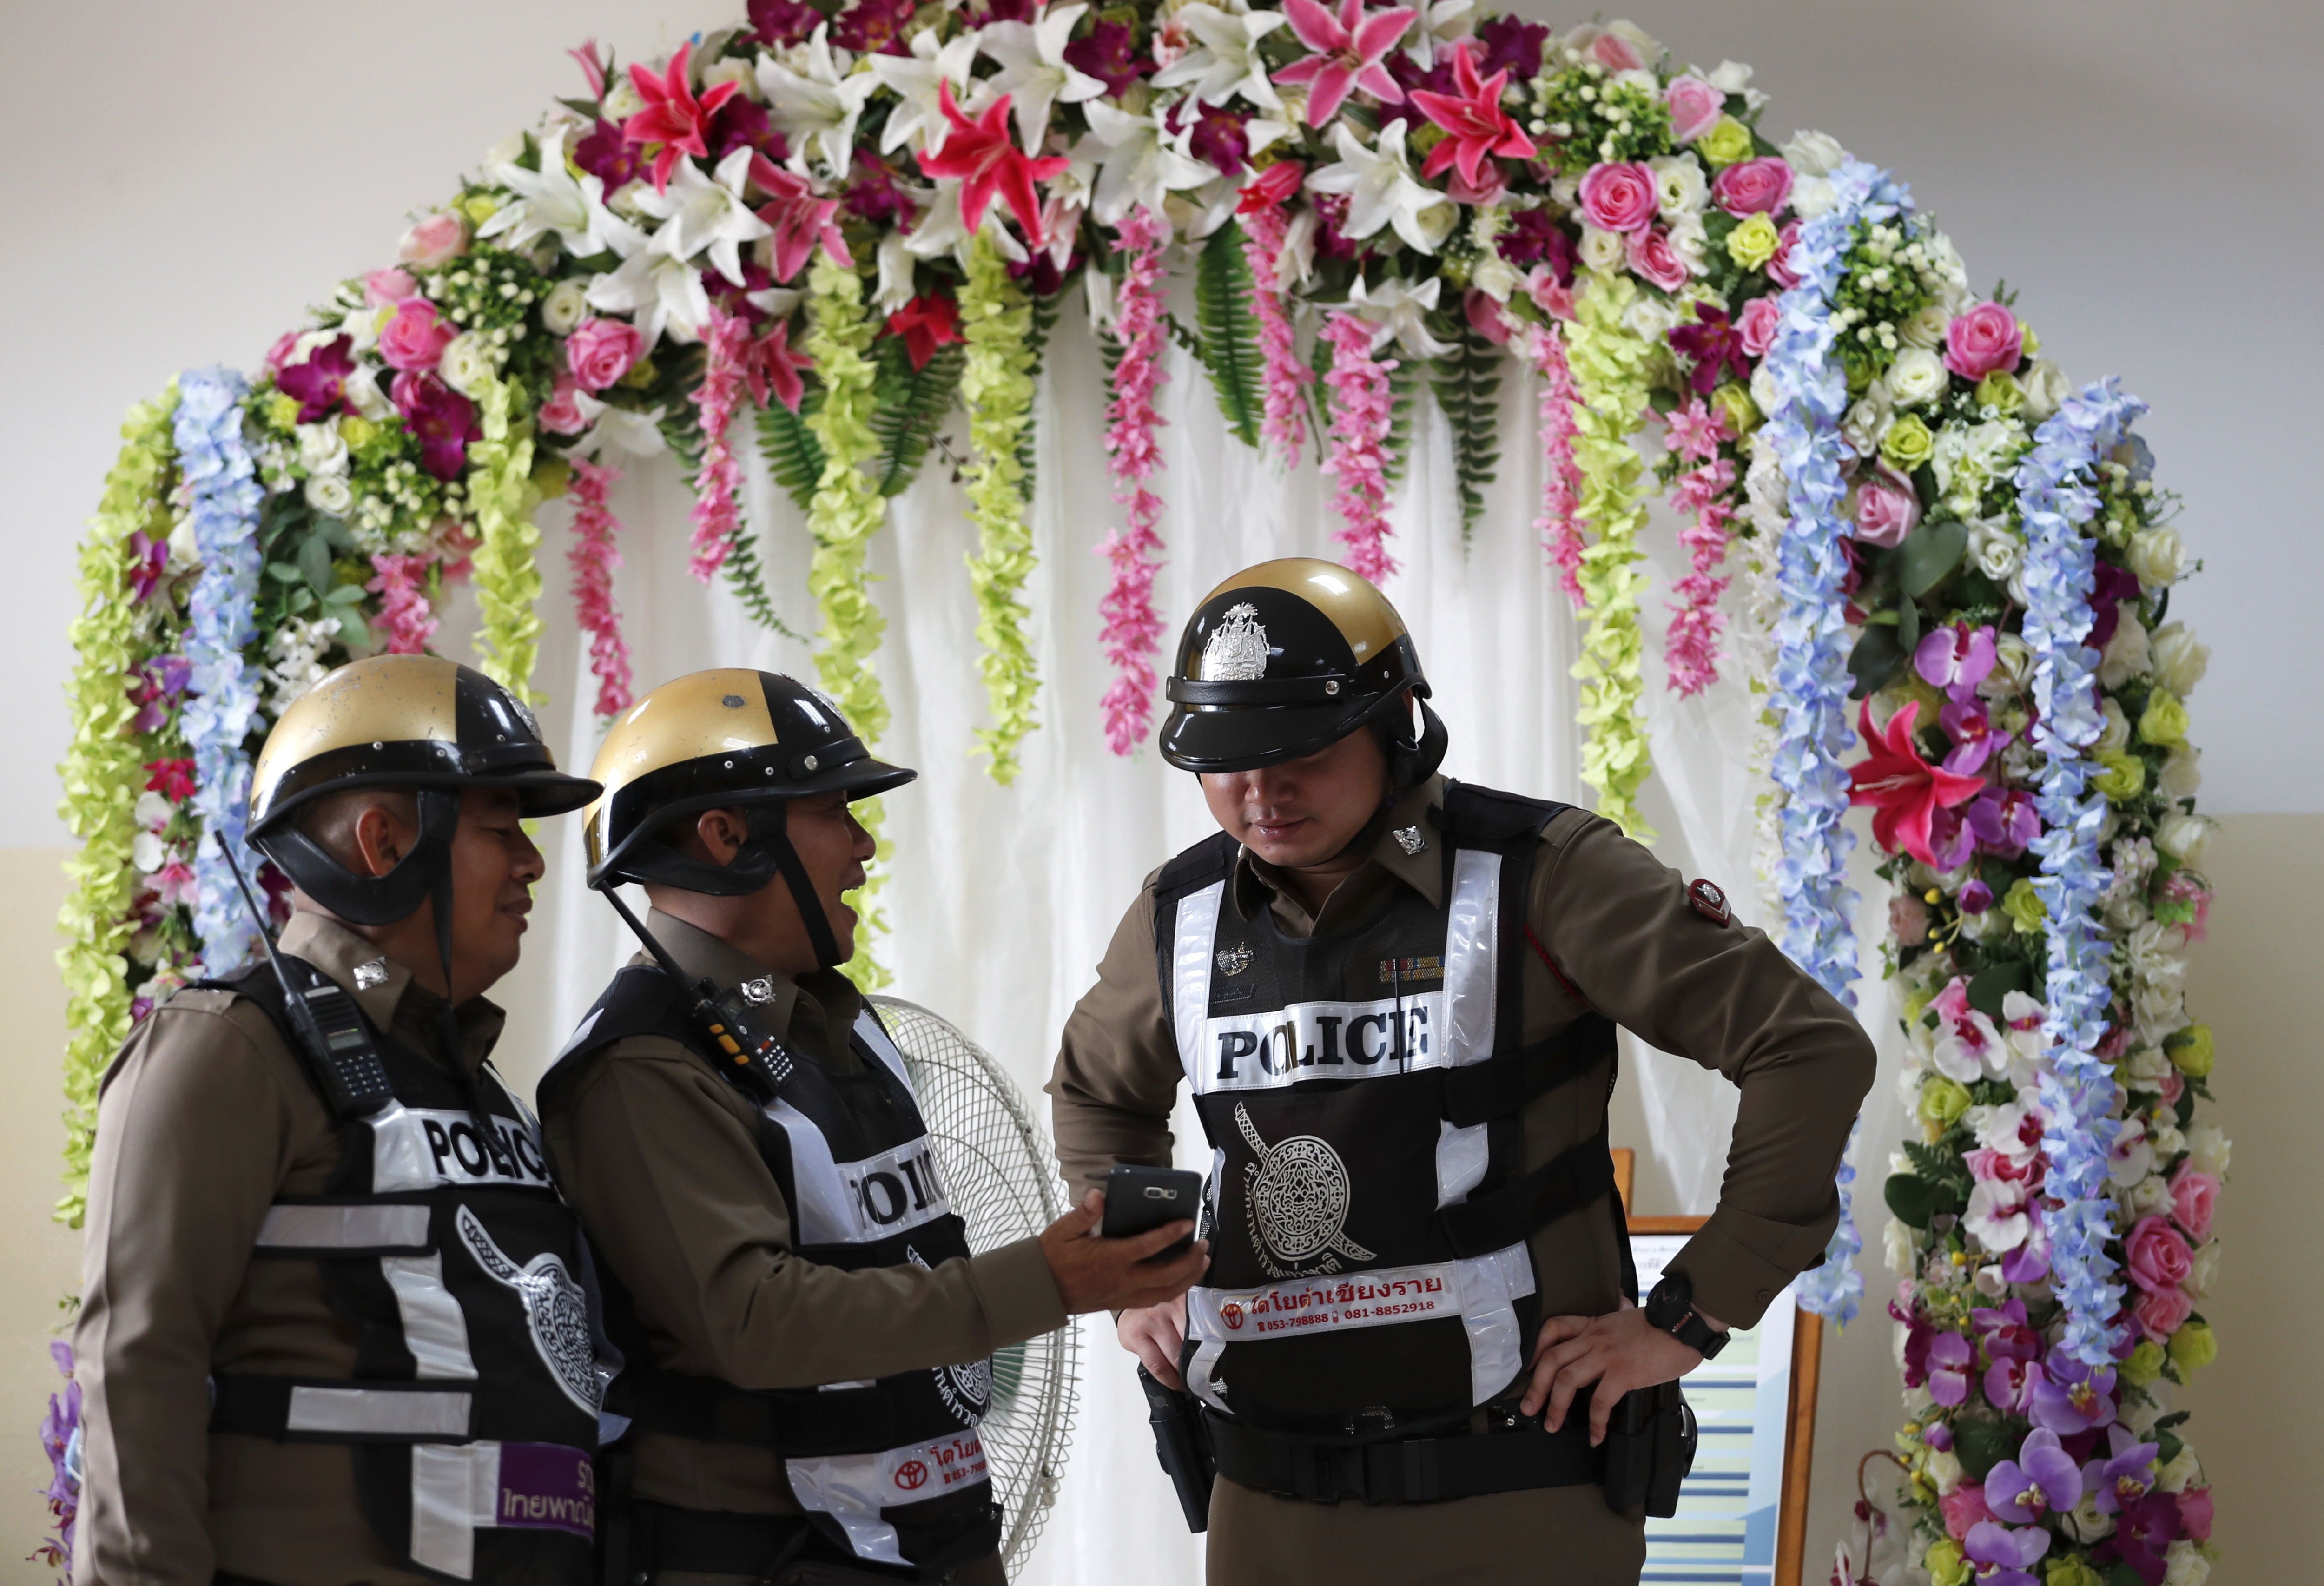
(368, 830)
(718, 835)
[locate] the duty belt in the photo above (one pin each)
(1408, 1470)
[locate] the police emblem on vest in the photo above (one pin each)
(1361, 1094)
(473, 1410)
(893, 1470)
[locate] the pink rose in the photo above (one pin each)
(562, 414)
(2195, 1513)
(1486, 318)
(1694, 106)
(2158, 1258)
(1654, 259)
(602, 350)
(1756, 326)
(415, 337)
(2191, 1195)
(1547, 295)
(1886, 508)
(1615, 52)
(1908, 921)
(1490, 190)
(433, 240)
(278, 356)
(1618, 197)
(382, 287)
(1779, 268)
(1986, 338)
(2162, 1312)
(1752, 186)
(1962, 1507)
(2172, 1085)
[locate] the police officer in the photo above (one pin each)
(1393, 998)
(335, 1324)
(807, 1336)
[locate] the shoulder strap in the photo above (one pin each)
(334, 1043)
(641, 1000)
(1195, 868)
(1482, 818)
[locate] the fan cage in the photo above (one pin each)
(999, 1169)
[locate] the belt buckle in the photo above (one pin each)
(1338, 1471)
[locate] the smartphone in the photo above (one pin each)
(1138, 1200)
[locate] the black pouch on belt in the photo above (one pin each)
(1650, 1441)
(1183, 1444)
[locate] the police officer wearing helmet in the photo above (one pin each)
(1393, 996)
(808, 1335)
(337, 1322)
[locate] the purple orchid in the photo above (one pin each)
(1975, 898)
(1109, 53)
(60, 1428)
(1715, 345)
(148, 560)
(1534, 237)
(2004, 819)
(1976, 740)
(2144, 1528)
(2113, 587)
(2029, 1262)
(2125, 1476)
(1950, 1356)
(1956, 658)
(319, 385)
(2015, 1349)
(2073, 1396)
(159, 684)
(2042, 1480)
(2005, 1554)
(440, 419)
(1513, 45)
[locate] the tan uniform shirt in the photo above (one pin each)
(660, 1155)
(205, 1116)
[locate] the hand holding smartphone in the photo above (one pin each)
(1140, 1199)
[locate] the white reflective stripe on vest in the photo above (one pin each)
(1482, 1290)
(454, 1489)
(378, 1412)
(343, 1228)
(424, 1148)
(857, 1202)
(435, 1328)
(1271, 1049)
(853, 1488)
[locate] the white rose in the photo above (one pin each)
(565, 307)
(1994, 551)
(2183, 837)
(622, 100)
(322, 449)
(2149, 1196)
(2184, 1565)
(2045, 388)
(2209, 1150)
(2013, 663)
(1897, 1245)
(2085, 1524)
(1925, 329)
(1985, 927)
(2182, 776)
(1867, 422)
(2168, 1142)
(468, 364)
(2157, 556)
(1813, 196)
(1680, 187)
(1943, 1470)
(2204, 1268)
(328, 494)
(1692, 244)
(2146, 1066)
(741, 73)
(2114, 733)
(152, 811)
(1915, 378)
(147, 852)
(1814, 154)
(1763, 388)
(1945, 263)
(2127, 653)
(1495, 277)
(183, 552)
(2178, 1472)
(364, 394)
(2139, 1414)
(1600, 250)
(1651, 318)
(2179, 662)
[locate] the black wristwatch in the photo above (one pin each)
(1670, 1308)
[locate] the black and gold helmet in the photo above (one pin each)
(719, 740)
(1288, 658)
(397, 721)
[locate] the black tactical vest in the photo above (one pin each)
(1361, 1093)
(891, 1469)
(473, 1409)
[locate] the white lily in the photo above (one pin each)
(1381, 190)
(548, 199)
(1396, 308)
(1139, 164)
(660, 291)
(1224, 61)
(1439, 22)
(609, 231)
(917, 81)
(942, 231)
(895, 288)
(817, 108)
(1034, 72)
(639, 435)
(699, 213)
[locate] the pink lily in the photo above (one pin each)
(673, 116)
(771, 365)
(1477, 126)
(982, 157)
(593, 68)
(800, 219)
(1350, 49)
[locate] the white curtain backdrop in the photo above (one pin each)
(1001, 899)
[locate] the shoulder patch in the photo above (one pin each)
(1709, 901)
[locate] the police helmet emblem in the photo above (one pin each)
(555, 1312)
(1296, 1197)
(1236, 651)
(1234, 960)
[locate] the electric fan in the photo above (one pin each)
(997, 1163)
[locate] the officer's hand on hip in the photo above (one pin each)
(1097, 1274)
(1156, 1336)
(1618, 1352)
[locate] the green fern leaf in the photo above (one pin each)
(1044, 320)
(913, 403)
(793, 454)
(1228, 332)
(748, 579)
(1404, 394)
(1468, 385)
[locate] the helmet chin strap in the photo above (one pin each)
(771, 832)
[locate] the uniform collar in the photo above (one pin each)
(704, 956)
(382, 987)
(1421, 868)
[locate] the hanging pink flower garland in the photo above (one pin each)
(1561, 478)
(1690, 648)
(1287, 375)
(1361, 409)
(593, 560)
(1133, 627)
(405, 623)
(717, 518)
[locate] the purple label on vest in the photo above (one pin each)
(548, 1486)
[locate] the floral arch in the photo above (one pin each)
(827, 230)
